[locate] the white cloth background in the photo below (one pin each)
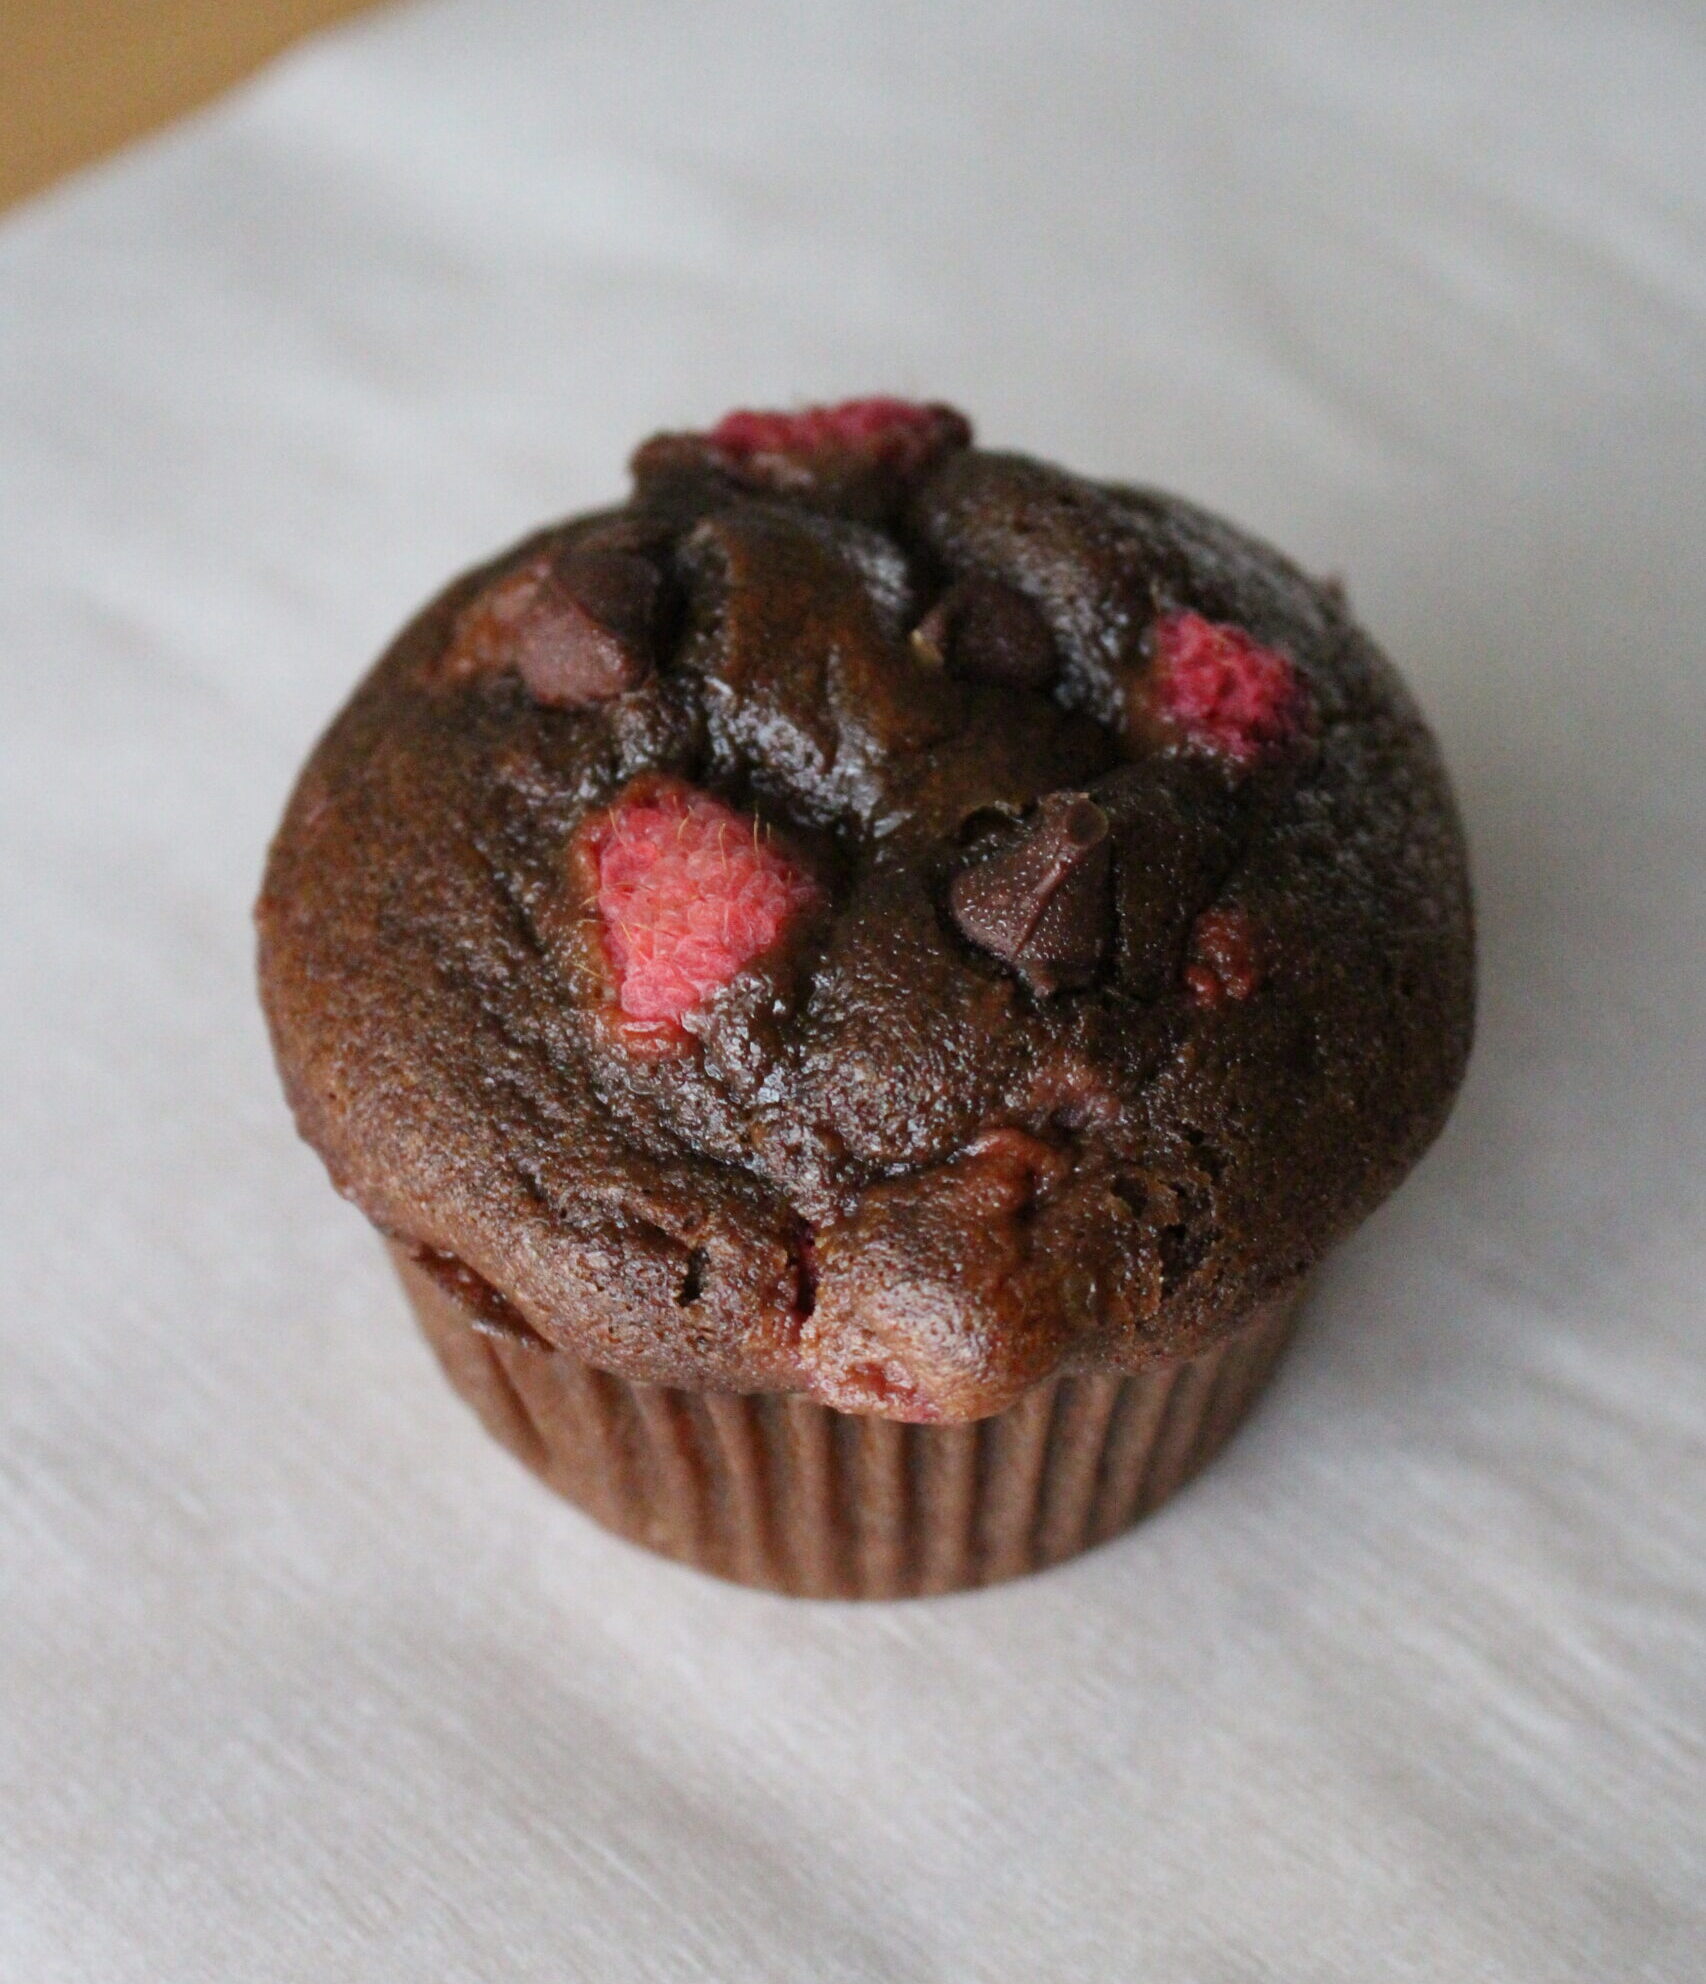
(300, 1677)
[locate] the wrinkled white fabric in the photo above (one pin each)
(300, 1677)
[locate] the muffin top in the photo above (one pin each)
(871, 917)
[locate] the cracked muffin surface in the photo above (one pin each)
(874, 918)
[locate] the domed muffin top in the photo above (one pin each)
(872, 917)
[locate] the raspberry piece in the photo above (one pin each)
(1225, 958)
(900, 434)
(688, 893)
(1222, 689)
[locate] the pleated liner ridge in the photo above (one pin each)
(774, 1490)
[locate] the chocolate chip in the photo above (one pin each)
(1040, 904)
(982, 629)
(590, 633)
(576, 626)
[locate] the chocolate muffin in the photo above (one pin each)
(858, 984)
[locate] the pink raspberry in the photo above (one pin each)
(688, 892)
(1222, 689)
(901, 434)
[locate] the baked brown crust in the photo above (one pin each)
(923, 1153)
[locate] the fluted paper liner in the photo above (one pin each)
(776, 1490)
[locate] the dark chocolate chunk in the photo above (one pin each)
(982, 629)
(576, 626)
(589, 635)
(1040, 904)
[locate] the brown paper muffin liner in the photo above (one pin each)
(778, 1491)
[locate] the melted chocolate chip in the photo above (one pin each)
(577, 626)
(982, 629)
(1040, 904)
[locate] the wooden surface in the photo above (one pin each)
(80, 77)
